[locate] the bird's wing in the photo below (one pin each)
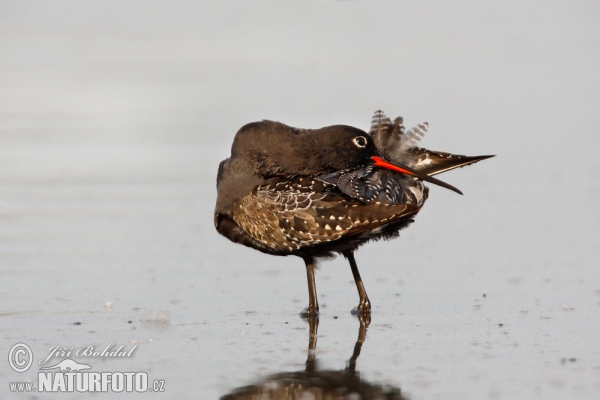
(366, 217)
(288, 216)
(370, 184)
(435, 162)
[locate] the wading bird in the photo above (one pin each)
(315, 192)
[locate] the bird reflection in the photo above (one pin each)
(316, 384)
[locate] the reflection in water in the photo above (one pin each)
(319, 385)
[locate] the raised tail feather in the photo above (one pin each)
(412, 136)
(399, 145)
(380, 129)
(386, 134)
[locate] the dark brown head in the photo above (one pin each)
(274, 149)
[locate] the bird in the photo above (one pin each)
(313, 193)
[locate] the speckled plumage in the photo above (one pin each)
(303, 213)
(304, 192)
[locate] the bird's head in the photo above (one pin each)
(274, 149)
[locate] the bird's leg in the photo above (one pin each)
(313, 305)
(364, 305)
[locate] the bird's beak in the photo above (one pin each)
(380, 162)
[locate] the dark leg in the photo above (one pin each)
(364, 305)
(313, 305)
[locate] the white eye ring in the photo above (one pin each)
(360, 141)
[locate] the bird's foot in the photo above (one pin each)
(364, 318)
(364, 307)
(309, 312)
(358, 312)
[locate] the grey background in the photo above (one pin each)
(114, 116)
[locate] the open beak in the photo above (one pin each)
(380, 162)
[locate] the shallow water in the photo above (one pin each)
(112, 125)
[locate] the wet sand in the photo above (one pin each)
(111, 132)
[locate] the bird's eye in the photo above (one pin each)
(360, 141)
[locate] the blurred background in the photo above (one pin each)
(114, 116)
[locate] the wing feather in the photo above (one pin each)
(273, 217)
(400, 146)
